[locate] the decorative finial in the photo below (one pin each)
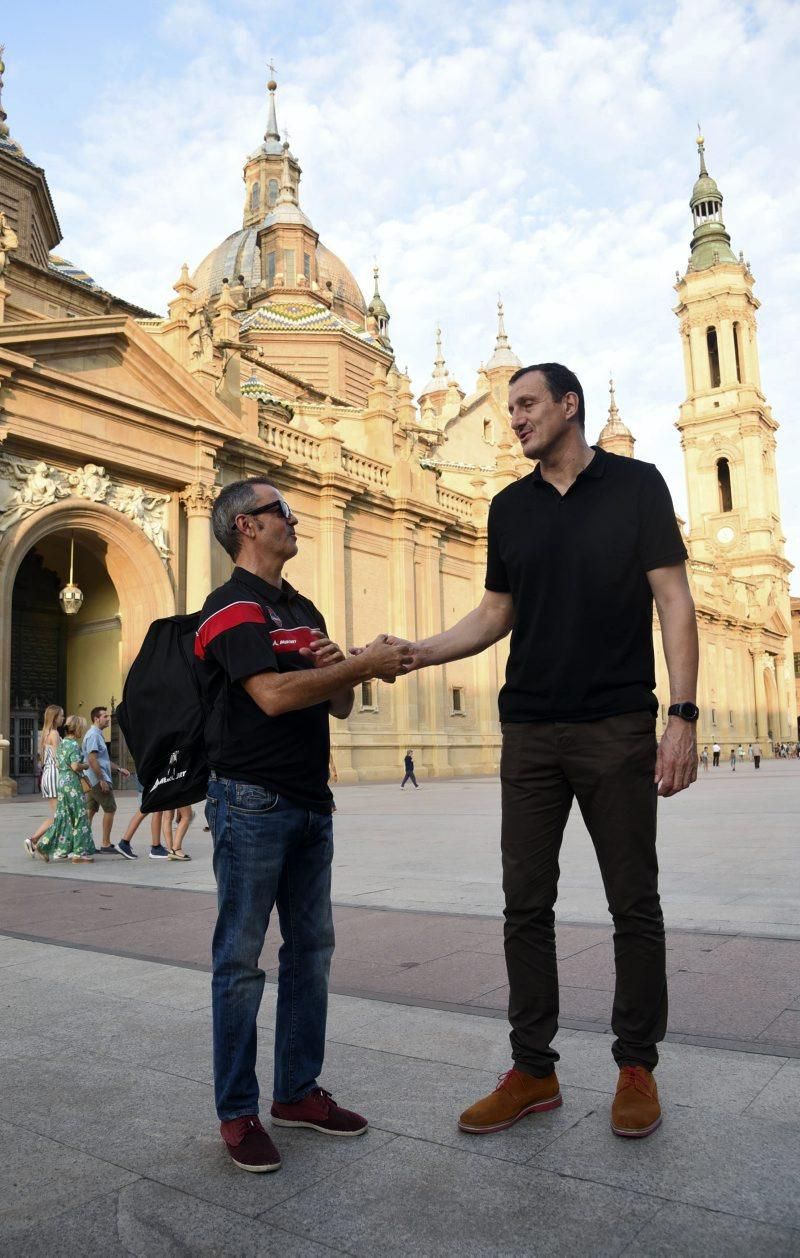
(613, 409)
(502, 338)
(440, 368)
(3, 114)
(272, 132)
(701, 149)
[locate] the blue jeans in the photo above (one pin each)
(268, 852)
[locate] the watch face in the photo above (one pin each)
(688, 711)
(725, 535)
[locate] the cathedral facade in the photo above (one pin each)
(117, 427)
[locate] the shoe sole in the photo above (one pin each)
(539, 1107)
(128, 856)
(636, 1133)
(326, 1131)
(257, 1170)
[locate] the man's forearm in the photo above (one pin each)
(277, 693)
(679, 637)
(341, 704)
(478, 630)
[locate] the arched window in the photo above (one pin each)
(713, 356)
(272, 188)
(737, 350)
(724, 483)
(255, 195)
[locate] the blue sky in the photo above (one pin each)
(541, 150)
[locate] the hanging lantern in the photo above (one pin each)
(71, 596)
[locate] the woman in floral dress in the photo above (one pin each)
(70, 835)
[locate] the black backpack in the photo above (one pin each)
(162, 716)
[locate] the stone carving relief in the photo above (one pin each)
(27, 486)
(8, 241)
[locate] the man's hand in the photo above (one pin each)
(323, 652)
(124, 773)
(387, 657)
(104, 786)
(676, 759)
(394, 641)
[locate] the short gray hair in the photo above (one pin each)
(235, 499)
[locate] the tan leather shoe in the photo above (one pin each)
(635, 1111)
(516, 1095)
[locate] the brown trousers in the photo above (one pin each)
(608, 766)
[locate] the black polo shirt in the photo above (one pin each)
(576, 567)
(243, 631)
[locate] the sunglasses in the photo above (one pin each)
(276, 508)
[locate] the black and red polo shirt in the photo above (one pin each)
(245, 628)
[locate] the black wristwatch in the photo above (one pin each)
(686, 711)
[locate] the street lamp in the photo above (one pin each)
(71, 596)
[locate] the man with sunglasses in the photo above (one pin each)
(271, 678)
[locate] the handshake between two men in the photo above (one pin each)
(385, 658)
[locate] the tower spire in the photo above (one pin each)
(379, 312)
(503, 356)
(439, 381)
(711, 243)
(272, 132)
(616, 437)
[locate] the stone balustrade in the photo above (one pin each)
(457, 504)
(368, 470)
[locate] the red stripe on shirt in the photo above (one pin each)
(227, 618)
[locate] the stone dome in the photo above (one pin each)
(238, 255)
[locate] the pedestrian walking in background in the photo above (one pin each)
(99, 768)
(704, 758)
(757, 754)
(124, 846)
(749, 751)
(716, 749)
(740, 753)
(408, 763)
(172, 839)
(733, 759)
(49, 742)
(70, 835)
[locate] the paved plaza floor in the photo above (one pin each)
(110, 1144)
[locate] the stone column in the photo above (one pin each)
(762, 719)
(332, 602)
(402, 620)
(198, 501)
(433, 681)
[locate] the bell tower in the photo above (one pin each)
(728, 439)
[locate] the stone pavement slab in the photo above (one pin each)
(728, 851)
(108, 1143)
(735, 990)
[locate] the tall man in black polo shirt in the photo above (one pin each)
(272, 678)
(577, 551)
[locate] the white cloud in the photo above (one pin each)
(545, 151)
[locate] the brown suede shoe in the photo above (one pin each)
(516, 1095)
(635, 1111)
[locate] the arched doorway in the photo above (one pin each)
(78, 661)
